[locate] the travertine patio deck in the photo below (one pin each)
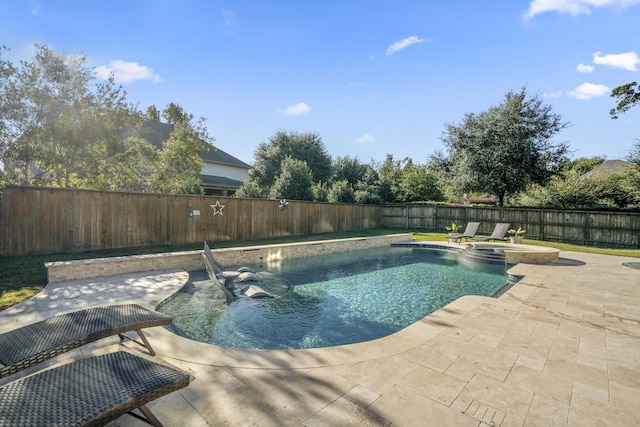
(561, 348)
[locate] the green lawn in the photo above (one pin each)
(25, 276)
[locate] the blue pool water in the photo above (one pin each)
(335, 299)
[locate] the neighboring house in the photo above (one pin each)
(222, 173)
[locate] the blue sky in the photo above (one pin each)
(371, 77)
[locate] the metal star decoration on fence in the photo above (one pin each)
(217, 208)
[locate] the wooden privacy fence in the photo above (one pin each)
(37, 220)
(594, 228)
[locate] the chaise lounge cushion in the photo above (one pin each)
(37, 342)
(88, 392)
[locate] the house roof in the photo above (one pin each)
(158, 132)
(216, 155)
(219, 181)
(610, 167)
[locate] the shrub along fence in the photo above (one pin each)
(594, 228)
(36, 220)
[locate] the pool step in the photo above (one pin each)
(474, 254)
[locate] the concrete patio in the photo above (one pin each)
(561, 348)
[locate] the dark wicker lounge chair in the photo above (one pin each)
(218, 269)
(469, 232)
(499, 233)
(89, 392)
(37, 342)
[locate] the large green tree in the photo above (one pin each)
(418, 183)
(294, 182)
(390, 174)
(21, 119)
(627, 96)
(503, 149)
(349, 169)
(61, 128)
(634, 155)
(307, 147)
(180, 160)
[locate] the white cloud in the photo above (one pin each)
(366, 139)
(589, 90)
(628, 61)
(126, 72)
(584, 68)
(398, 46)
(557, 94)
(297, 109)
(573, 7)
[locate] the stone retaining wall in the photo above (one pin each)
(192, 260)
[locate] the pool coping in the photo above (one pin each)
(514, 253)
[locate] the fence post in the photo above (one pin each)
(435, 217)
(406, 225)
(587, 227)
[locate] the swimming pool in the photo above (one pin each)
(335, 299)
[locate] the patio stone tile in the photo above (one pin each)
(526, 345)
(616, 341)
(433, 384)
(208, 382)
(587, 412)
(570, 326)
(321, 385)
(531, 362)
(482, 355)
(465, 369)
(344, 412)
(490, 337)
(429, 357)
(508, 308)
(594, 354)
(591, 392)
(547, 412)
(362, 395)
(508, 322)
(541, 383)
(408, 409)
(625, 399)
(570, 342)
(174, 410)
(576, 372)
(546, 330)
(374, 375)
(624, 374)
(541, 315)
(460, 333)
(479, 310)
(251, 404)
